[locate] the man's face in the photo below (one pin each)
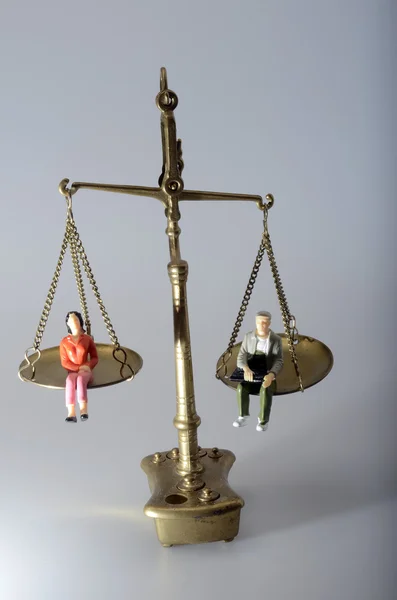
(262, 325)
(74, 324)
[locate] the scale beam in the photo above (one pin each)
(158, 194)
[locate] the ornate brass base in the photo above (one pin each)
(196, 508)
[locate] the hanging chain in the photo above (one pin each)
(51, 294)
(45, 313)
(79, 282)
(72, 239)
(288, 319)
(79, 248)
(67, 240)
(77, 244)
(243, 308)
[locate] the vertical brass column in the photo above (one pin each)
(191, 500)
(186, 420)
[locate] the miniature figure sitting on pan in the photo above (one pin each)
(78, 356)
(259, 361)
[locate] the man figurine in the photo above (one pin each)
(261, 351)
(79, 356)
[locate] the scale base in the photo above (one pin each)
(186, 516)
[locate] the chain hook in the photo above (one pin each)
(270, 199)
(262, 205)
(68, 198)
(265, 216)
(67, 193)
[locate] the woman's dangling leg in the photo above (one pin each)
(83, 379)
(70, 394)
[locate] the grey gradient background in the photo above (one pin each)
(293, 98)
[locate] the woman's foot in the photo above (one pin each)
(71, 418)
(83, 410)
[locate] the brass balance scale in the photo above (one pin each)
(191, 500)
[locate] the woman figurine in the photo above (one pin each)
(78, 356)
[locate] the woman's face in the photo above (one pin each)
(74, 324)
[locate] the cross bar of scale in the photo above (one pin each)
(191, 499)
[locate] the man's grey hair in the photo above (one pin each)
(264, 313)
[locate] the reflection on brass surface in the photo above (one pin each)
(210, 514)
(174, 454)
(215, 453)
(208, 495)
(191, 483)
(315, 362)
(158, 457)
(50, 373)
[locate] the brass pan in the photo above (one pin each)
(48, 371)
(315, 361)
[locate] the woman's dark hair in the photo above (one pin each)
(78, 315)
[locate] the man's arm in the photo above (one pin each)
(242, 358)
(278, 360)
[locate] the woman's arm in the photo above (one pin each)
(65, 362)
(93, 355)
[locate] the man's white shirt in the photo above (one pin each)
(263, 344)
